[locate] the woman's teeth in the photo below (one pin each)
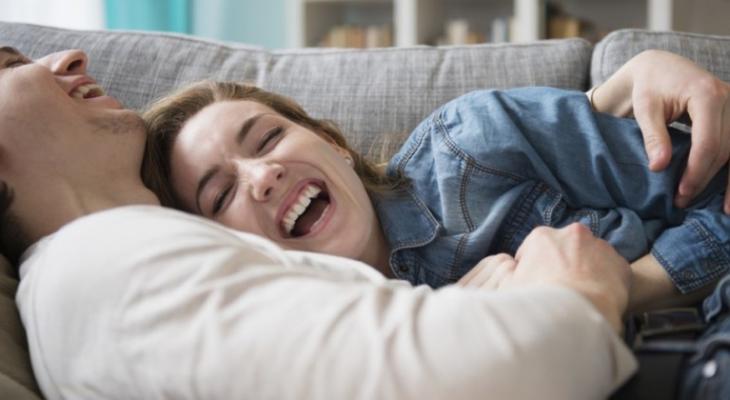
(298, 208)
(87, 91)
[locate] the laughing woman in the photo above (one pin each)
(472, 180)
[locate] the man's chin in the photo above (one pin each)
(117, 121)
(103, 102)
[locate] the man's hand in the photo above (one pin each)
(658, 87)
(574, 258)
(489, 273)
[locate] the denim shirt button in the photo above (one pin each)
(709, 369)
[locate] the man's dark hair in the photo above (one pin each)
(12, 240)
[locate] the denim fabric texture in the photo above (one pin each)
(706, 375)
(488, 167)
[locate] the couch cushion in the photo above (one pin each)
(368, 92)
(711, 52)
(16, 376)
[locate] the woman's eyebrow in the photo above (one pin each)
(246, 127)
(10, 50)
(249, 123)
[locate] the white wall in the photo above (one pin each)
(76, 14)
(702, 16)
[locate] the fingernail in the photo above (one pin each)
(686, 190)
(656, 154)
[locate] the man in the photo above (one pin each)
(123, 299)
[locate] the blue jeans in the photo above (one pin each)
(707, 376)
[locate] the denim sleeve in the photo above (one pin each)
(596, 161)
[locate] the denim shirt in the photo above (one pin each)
(488, 167)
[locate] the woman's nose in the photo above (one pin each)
(264, 178)
(68, 62)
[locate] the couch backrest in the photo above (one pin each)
(711, 52)
(367, 93)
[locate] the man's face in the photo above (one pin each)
(58, 128)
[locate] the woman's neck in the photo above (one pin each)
(379, 254)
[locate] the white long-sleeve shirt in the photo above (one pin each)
(142, 302)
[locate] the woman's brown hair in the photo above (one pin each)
(166, 117)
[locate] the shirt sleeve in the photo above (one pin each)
(598, 161)
(201, 312)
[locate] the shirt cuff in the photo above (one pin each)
(692, 255)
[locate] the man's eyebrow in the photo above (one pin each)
(10, 50)
(202, 183)
(246, 127)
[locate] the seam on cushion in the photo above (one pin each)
(542, 43)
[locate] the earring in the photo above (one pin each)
(349, 160)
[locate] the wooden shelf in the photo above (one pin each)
(416, 22)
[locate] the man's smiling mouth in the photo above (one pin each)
(306, 211)
(87, 91)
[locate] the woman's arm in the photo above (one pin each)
(657, 87)
(651, 288)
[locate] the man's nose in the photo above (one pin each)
(67, 62)
(264, 178)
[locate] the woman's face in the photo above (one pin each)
(246, 166)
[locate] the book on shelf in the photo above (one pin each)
(358, 36)
(459, 31)
(561, 24)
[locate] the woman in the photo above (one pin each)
(472, 180)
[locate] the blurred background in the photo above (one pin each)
(376, 23)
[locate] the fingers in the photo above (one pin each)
(490, 273)
(649, 113)
(709, 149)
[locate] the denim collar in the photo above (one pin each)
(405, 219)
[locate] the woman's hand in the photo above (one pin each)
(658, 87)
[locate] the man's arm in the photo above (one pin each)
(207, 313)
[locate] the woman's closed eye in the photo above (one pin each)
(222, 198)
(13, 62)
(269, 137)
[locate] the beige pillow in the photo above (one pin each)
(16, 376)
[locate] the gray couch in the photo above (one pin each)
(370, 93)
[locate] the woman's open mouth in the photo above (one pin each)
(307, 211)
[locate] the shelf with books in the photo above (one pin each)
(378, 23)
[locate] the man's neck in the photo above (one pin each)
(70, 204)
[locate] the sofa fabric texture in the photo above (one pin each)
(710, 52)
(367, 92)
(375, 96)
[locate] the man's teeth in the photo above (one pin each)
(87, 90)
(297, 209)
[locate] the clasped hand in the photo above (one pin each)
(569, 257)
